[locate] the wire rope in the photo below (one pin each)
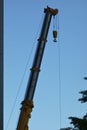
(59, 70)
(19, 88)
(59, 86)
(22, 79)
(55, 23)
(56, 28)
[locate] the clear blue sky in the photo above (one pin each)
(22, 24)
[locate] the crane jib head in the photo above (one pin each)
(50, 10)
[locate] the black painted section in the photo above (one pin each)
(38, 57)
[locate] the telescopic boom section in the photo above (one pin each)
(39, 53)
(27, 104)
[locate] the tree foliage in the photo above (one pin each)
(84, 96)
(78, 123)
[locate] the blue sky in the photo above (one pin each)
(22, 24)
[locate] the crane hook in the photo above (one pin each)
(54, 35)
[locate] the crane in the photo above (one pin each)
(27, 103)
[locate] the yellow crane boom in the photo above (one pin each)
(27, 104)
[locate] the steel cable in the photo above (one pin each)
(22, 79)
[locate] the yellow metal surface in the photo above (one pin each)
(42, 39)
(53, 11)
(25, 115)
(54, 35)
(35, 69)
